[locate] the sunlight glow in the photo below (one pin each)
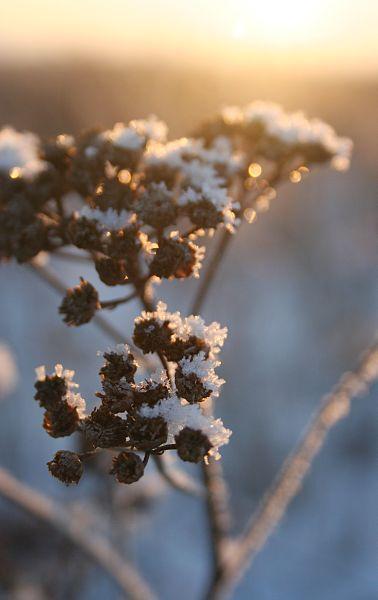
(278, 22)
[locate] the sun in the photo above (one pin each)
(277, 22)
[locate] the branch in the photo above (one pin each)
(212, 268)
(287, 484)
(68, 524)
(110, 304)
(217, 511)
(72, 256)
(223, 243)
(177, 478)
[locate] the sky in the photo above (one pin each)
(321, 35)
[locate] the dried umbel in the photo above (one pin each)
(137, 414)
(142, 201)
(134, 204)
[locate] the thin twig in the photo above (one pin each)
(71, 526)
(72, 256)
(110, 304)
(217, 511)
(223, 243)
(212, 268)
(288, 482)
(177, 479)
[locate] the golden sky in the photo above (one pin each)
(323, 35)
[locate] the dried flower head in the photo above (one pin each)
(112, 271)
(127, 467)
(192, 445)
(119, 364)
(66, 466)
(147, 433)
(103, 429)
(156, 206)
(176, 258)
(80, 304)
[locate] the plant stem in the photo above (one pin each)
(110, 304)
(72, 527)
(288, 482)
(208, 278)
(71, 256)
(217, 511)
(177, 478)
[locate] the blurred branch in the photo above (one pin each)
(287, 484)
(223, 243)
(177, 479)
(218, 511)
(94, 546)
(72, 256)
(211, 271)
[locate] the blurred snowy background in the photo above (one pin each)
(298, 291)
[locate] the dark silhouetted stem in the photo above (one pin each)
(110, 304)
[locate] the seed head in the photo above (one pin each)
(80, 304)
(190, 387)
(192, 445)
(174, 258)
(66, 466)
(150, 335)
(127, 467)
(147, 433)
(156, 206)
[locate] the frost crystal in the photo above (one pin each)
(213, 335)
(205, 371)
(109, 220)
(134, 135)
(75, 400)
(161, 315)
(179, 414)
(291, 128)
(19, 153)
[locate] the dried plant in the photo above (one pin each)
(135, 205)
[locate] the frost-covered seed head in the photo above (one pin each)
(176, 258)
(80, 304)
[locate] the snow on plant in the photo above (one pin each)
(135, 203)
